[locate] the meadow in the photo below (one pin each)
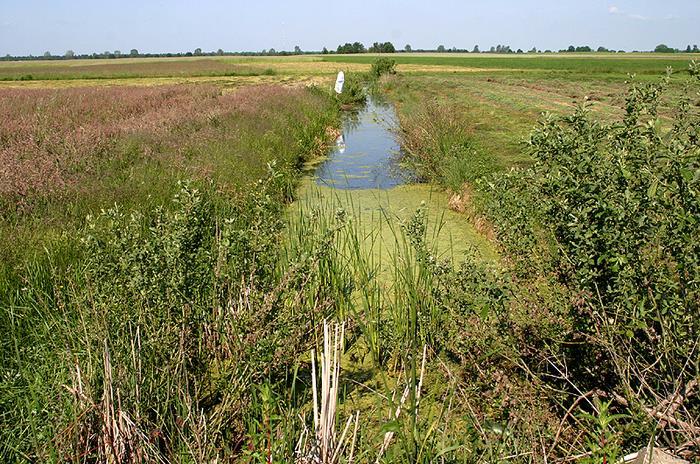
(174, 288)
(599, 63)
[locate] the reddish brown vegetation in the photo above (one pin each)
(123, 69)
(49, 139)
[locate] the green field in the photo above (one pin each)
(599, 63)
(167, 264)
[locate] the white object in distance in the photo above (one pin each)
(339, 82)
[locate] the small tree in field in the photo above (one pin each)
(663, 48)
(134, 52)
(408, 48)
(197, 51)
(441, 49)
(383, 66)
(476, 49)
(69, 54)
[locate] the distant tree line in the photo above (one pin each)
(134, 53)
(348, 48)
(663, 48)
(355, 47)
(388, 47)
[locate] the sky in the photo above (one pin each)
(86, 26)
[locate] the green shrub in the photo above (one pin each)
(354, 92)
(613, 209)
(383, 66)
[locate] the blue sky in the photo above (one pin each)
(35, 26)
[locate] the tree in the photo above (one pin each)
(197, 51)
(70, 54)
(382, 47)
(602, 49)
(476, 49)
(356, 47)
(297, 50)
(272, 51)
(47, 54)
(519, 51)
(663, 48)
(117, 53)
(220, 52)
(325, 51)
(441, 49)
(571, 49)
(695, 49)
(408, 48)
(134, 52)
(533, 50)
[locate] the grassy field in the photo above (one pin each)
(167, 271)
(602, 64)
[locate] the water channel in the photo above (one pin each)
(362, 176)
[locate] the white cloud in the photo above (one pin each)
(638, 17)
(614, 10)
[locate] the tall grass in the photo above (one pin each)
(129, 70)
(137, 334)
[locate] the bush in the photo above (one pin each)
(353, 91)
(620, 203)
(383, 66)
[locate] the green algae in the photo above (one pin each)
(379, 215)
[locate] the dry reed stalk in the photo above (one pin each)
(325, 447)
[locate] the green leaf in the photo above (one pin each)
(392, 426)
(651, 192)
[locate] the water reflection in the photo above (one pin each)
(364, 155)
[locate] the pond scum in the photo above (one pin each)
(221, 327)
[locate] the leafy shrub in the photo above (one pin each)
(383, 66)
(620, 204)
(353, 91)
(600, 237)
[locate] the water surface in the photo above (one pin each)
(364, 155)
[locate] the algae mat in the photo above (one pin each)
(380, 216)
